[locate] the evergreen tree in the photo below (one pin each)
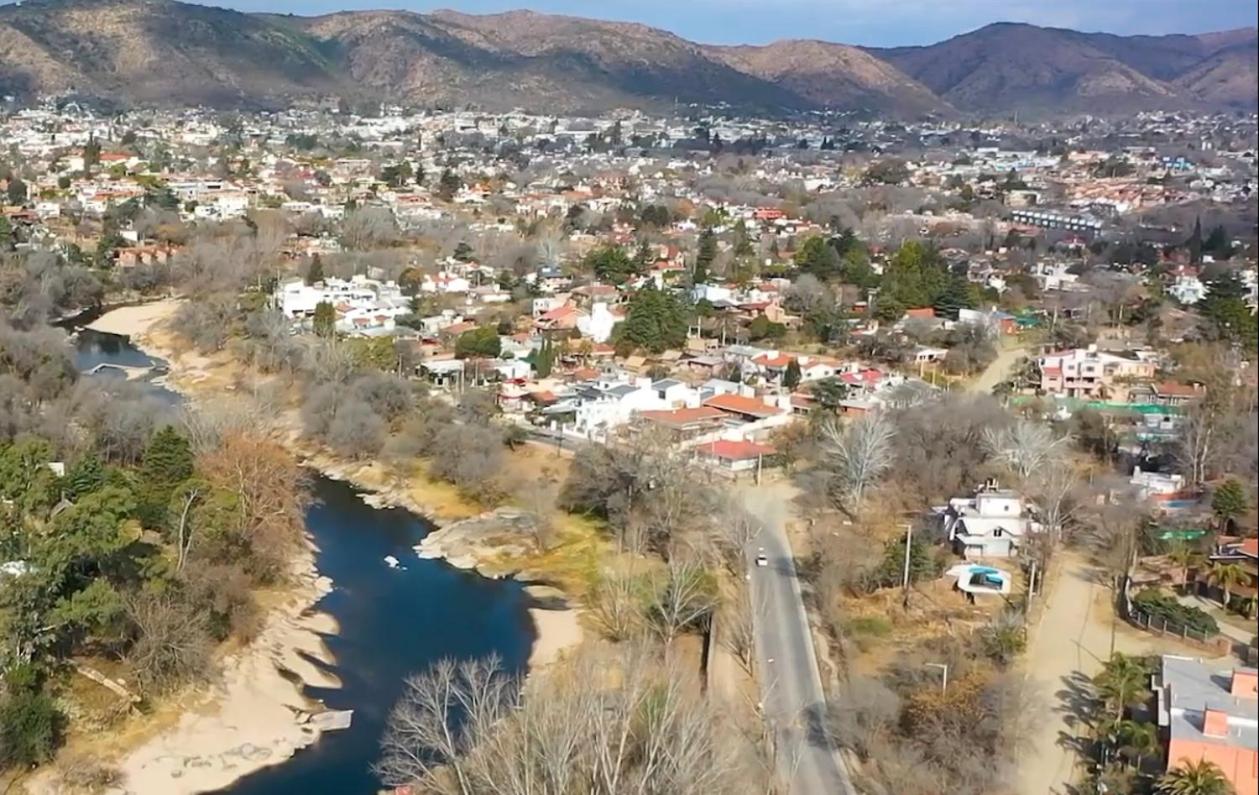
(1225, 306)
(448, 185)
(1218, 244)
(314, 274)
(479, 343)
(914, 277)
(91, 152)
(956, 297)
(16, 191)
(87, 475)
(818, 257)
(655, 320)
(791, 377)
(1195, 243)
(611, 264)
(463, 252)
(167, 462)
(742, 242)
(704, 258)
(325, 320)
(1229, 500)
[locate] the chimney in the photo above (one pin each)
(1245, 684)
(1214, 723)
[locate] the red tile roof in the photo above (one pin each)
(738, 404)
(728, 450)
(922, 312)
(679, 418)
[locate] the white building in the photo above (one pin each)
(598, 324)
(1187, 290)
(991, 524)
(360, 300)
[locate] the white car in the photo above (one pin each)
(761, 558)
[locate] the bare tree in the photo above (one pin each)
(172, 642)
(435, 727)
(683, 596)
(734, 533)
(858, 455)
(1025, 446)
(1055, 493)
(602, 723)
(616, 605)
(1198, 445)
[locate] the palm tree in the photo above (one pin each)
(1137, 740)
(1122, 682)
(1195, 778)
(1186, 558)
(1227, 576)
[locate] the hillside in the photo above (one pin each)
(170, 53)
(833, 75)
(1007, 66)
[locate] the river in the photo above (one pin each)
(393, 622)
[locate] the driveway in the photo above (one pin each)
(792, 698)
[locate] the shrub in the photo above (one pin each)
(869, 626)
(30, 729)
(1158, 605)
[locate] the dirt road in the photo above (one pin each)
(1000, 369)
(1074, 637)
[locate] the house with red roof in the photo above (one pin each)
(734, 455)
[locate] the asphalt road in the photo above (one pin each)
(792, 698)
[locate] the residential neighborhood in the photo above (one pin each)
(936, 437)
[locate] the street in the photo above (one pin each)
(794, 703)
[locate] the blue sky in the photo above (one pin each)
(868, 22)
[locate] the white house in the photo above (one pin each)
(598, 324)
(1187, 290)
(444, 282)
(991, 524)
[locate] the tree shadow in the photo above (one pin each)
(1078, 706)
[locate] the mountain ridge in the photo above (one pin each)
(164, 52)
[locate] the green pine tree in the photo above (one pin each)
(325, 320)
(704, 258)
(791, 376)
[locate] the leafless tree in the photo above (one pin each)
(185, 499)
(172, 642)
(368, 227)
(857, 455)
(1025, 446)
(616, 605)
(1056, 493)
(682, 596)
(602, 723)
(1198, 444)
(735, 531)
(737, 621)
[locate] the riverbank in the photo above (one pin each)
(207, 378)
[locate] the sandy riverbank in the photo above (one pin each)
(253, 717)
(134, 321)
(254, 714)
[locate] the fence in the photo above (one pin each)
(1214, 643)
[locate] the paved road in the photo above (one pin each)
(791, 689)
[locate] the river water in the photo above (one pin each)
(393, 622)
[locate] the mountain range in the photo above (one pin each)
(161, 52)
